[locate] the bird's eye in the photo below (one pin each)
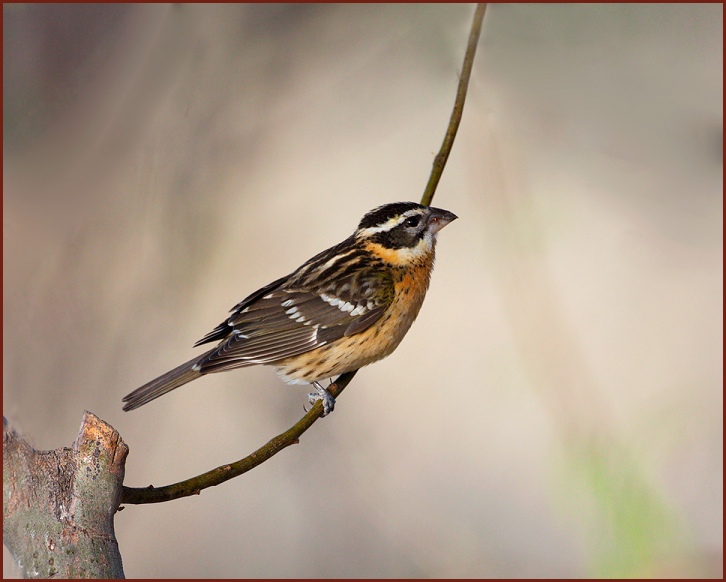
(412, 221)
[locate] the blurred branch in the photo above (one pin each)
(58, 506)
(443, 155)
(193, 486)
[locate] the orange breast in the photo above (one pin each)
(371, 345)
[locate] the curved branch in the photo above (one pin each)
(193, 486)
(443, 155)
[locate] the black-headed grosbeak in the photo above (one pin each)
(345, 308)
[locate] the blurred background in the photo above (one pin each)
(556, 410)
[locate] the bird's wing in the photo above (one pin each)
(287, 320)
(223, 329)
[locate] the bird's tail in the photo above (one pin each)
(163, 384)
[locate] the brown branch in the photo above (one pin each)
(58, 506)
(193, 486)
(443, 155)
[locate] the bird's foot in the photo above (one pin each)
(322, 394)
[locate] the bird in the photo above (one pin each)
(345, 308)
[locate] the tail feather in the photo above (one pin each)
(163, 384)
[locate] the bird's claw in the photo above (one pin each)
(322, 394)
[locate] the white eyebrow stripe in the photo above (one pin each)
(390, 224)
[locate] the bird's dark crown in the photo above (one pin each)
(383, 214)
(403, 225)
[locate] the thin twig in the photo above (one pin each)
(151, 494)
(443, 155)
(193, 486)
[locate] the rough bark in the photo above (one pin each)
(58, 506)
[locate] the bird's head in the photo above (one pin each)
(403, 231)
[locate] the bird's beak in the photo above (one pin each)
(439, 218)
